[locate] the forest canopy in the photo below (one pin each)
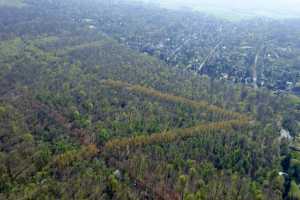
(122, 100)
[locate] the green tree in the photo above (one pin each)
(294, 193)
(182, 181)
(102, 136)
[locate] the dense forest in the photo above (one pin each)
(117, 100)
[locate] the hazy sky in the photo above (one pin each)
(238, 3)
(264, 7)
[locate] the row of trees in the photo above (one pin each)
(216, 113)
(119, 145)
